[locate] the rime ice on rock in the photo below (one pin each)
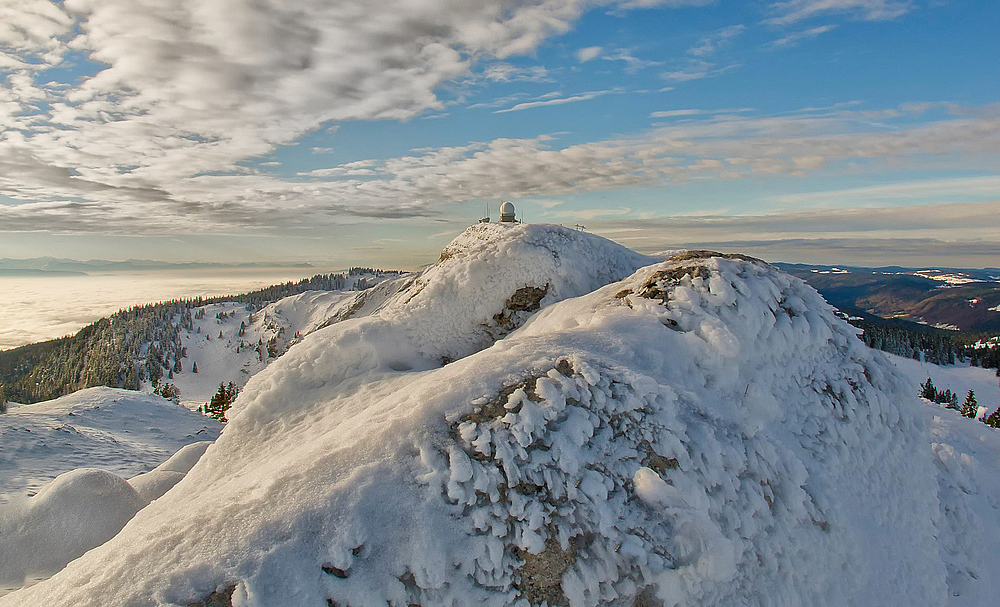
(699, 431)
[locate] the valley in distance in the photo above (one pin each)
(541, 417)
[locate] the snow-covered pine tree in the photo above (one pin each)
(970, 408)
(169, 392)
(221, 402)
(928, 391)
(993, 419)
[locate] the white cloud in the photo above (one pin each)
(587, 54)
(914, 234)
(662, 3)
(712, 43)
(32, 29)
(698, 69)
(425, 182)
(191, 87)
(555, 101)
(502, 71)
(979, 187)
(796, 37)
(632, 63)
(696, 112)
(675, 113)
(589, 214)
(793, 11)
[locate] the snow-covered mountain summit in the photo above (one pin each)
(545, 417)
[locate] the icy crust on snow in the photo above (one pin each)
(704, 432)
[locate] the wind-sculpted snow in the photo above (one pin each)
(702, 432)
(473, 296)
(73, 455)
(120, 431)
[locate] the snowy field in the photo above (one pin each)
(967, 456)
(959, 379)
(545, 417)
(86, 462)
(119, 431)
(223, 355)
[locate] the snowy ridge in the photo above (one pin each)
(225, 354)
(493, 277)
(699, 431)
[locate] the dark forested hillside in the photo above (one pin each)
(938, 346)
(966, 300)
(940, 315)
(140, 344)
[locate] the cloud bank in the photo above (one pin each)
(167, 102)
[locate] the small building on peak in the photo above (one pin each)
(507, 212)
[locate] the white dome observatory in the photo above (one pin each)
(507, 212)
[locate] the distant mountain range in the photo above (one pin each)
(946, 298)
(58, 266)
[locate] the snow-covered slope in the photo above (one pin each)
(231, 344)
(119, 431)
(967, 455)
(225, 355)
(699, 431)
(73, 455)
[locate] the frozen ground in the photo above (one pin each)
(958, 378)
(545, 417)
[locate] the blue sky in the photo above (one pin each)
(847, 131)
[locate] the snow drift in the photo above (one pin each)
(116, 434)
(544, 417)
(119, 431)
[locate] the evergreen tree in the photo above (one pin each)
(970, 408)
(169, 392)
(3, 399)
(194, 367)
(928, 391)
(222, 401)
(993, 419)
